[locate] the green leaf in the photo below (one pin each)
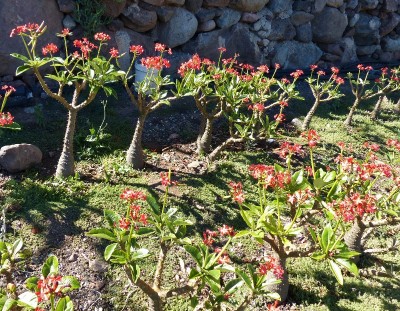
(195, 253)
(14, 126)
(21, 57)
(22, 69)
(336, 271)
(326, 238)
(274, 296)
(140, 254)
(17, 245)
(194, 274)
(247, 218)
(28, 299)
(109, 251)
(31, 283)
(61, 304)
(153, 204)
(319, 183)
(349, 265)
(50, 266)
(135, 271)
(111, 217)
(9, 304)
(233, 286)
(242, 233)
(245, 278)
(70, 283)
(102, 233)
(171, 212)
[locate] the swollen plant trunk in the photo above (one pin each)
(217, 151)
(349, 118)
(353, 238)
(397, 107)
(202, 128)
(310, 114)
(134, 155)
(377, 108)
(204, 144)
(66, 163)
(281, 288)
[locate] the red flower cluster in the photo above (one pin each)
(237, 191)
(132, 195)
(287, 149)
(356, 205)
(371, 146)
(263, 69)
(8, 89)
(208, 237)
(30, 27)
(257, 107)
(271, 264)
(280, 117)
(49, 48)
(162, 48)
(136, 49)
(155, 62)
(49, 286)
(225, 230)
(6, 119)
(85, 46)
(268, 177)
(393, 143)
(300, 197)
(222, 49)
(192, 64)
(166, 179)
(114, 52)
(312, 137)
(297, 74)
(64, 33)
(101, 36)
(364, 68)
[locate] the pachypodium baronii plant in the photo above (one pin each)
(151, 95)
(6, 118)
(322, 90)
(49, 292)
(387, 83)
(359, 84)
(288, 203)
(145, 218)
(83, 69)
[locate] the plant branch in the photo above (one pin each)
(382, 222)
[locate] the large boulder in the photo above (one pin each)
(139, 19)
(367, 30)
(236, 39)
(369, 4)
(295, 55)
(282, 29)
(19, 13)
(19, 157)
(329, 25)
(179, 29)
(248, 5)
(228, 18)
(113, 8)
(279, 6)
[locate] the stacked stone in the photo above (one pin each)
(293, 33)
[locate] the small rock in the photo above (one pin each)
(297, 123)
(69, 22)
(19, 157)
(250, 18)
(194, 164)
(73, 257)
(98, 265)
(98, 285)
(29, 110)
(173, 136)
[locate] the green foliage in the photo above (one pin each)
(90, 14)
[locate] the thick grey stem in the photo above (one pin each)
(160, 266)
(134, 155)
(202, 128)
(353, 237)
(377, 108)
(217, 151)
(281, 288)
(310, 114)
(397, 107)
(66, 164)
(204, 144)
(349, 118)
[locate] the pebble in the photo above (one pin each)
(73, 257)
(98, 265)
(194, 164)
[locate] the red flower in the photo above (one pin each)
(280, 117)
(287, 148)
(18, 30)
(277, 66)
(155, 62)
(136, 49)
(271, 264)
(312, 137)
(224, 259)
(166, 179)
(313, 67)
(237, 191)
(8, 89)
(101, 36)
(159, 47)
(49, 48)
(360, 67)
(208, 236)
(124, 223)
(297, 74)
(6, 119)
(65, 33)
(132, 195)
(335, 70)
(222, 49)
(48, 287)
(339, 80)
(283, 103)
(225, 230)
(321, 73)
(114, 52)
(263, 68)
(371, 146)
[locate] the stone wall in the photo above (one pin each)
(293, 33)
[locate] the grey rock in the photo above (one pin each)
(303, 5)
(69, 22)
(389, 24)
(328, 26)
(250, 18)
(215, 3)
(282, 29)
(139, 19)
(228, 18)
(391, 45)
(367, 50)
(295, 55)
(176, 2)
(204, 15)
(349, 51)
(352, 4)
(334, 3)
(279, 6)
(195, 164)
(367, 30)
(193, 5)
(304, 33)
(98, 265)
(353, 21)
(391, 5)
(172, 33)
(319, 5)
(113, 8)
(73, 257)
(248, 5)
(207, 26)
(368, 4)
(164, 13)
(122, 39)
(297, 123)
(66, 6)
(263, 24)
(19, 157)
(300, 17)
(236, 39)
